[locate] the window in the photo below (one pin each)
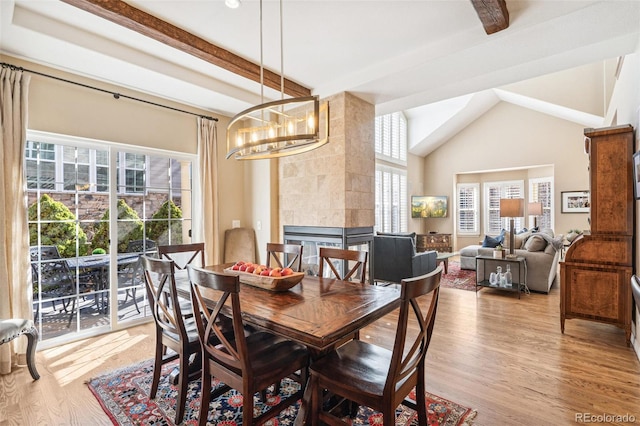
(391, 199)
(134, 172)
(391, 137)
(468, 216)
(541, 191)
(493, 192)
(392, 205)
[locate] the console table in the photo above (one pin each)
(437, 242)
(489, 264)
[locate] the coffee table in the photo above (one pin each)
(443, 256)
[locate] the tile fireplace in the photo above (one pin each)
(314, 237)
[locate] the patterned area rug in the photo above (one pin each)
(124, 396)
(463, 279)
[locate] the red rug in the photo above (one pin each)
(124, 396)
(463, 279)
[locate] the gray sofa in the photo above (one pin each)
(542, 255)
(395, 258)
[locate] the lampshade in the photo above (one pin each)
(512, 207)
(534, 209)
(278, 128)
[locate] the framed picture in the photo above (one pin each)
(428, 206)
(576, 201)
(636, 175)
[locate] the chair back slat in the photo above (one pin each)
(183, 254)
(328, 255)
(229, 350)
(405, 363)
(159, 277)
(285, 255)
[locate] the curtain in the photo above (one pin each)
(208, 153)
(15, 297)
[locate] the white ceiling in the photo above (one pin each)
(398, 55)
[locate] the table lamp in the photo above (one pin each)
(511, 207)
(535, 210)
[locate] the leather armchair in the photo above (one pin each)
(395, 258)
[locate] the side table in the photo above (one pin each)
(486, 264)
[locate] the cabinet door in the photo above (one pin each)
(600, 294)
(611, 180)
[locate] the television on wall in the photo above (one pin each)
(423, 206)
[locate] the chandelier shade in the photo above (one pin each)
(278, 128)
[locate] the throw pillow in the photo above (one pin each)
(490, 242)
(535, 243)
(520, 239)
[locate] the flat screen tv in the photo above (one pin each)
(428, 206)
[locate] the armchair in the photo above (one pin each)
(395, 259)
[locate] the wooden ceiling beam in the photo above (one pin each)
(137, 20)
(493, 14)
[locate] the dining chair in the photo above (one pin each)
(285, 255)
(183, 255)
(174, 330)
(344, 257)
(376, 377)
(248, 363)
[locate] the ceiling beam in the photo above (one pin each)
(134, 19)
(493, 14)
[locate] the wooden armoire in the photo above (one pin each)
(595, 276)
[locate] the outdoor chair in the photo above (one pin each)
(248, 363)
(379, 378)
(52, 280)
(130, 276)
(11, 329)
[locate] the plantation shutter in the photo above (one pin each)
(468, 214)
(494, 191)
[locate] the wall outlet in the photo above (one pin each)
(259, 225)
(235, 224)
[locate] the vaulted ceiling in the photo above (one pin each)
(398, 55)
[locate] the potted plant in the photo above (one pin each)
(498, 252)
(573, 234)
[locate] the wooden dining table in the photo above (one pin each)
(317, 312)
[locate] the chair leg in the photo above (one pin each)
(420, 397)
(135, 301)
(205, 396)
(316, 401)
(157, 367)
(32, 341)
(73, 310)
(182, 386)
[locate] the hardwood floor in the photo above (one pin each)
(502, 356)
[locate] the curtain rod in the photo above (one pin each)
(114, 94)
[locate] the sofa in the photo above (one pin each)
(541, 251)
(395, 258)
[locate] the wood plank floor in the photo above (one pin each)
(502, 356)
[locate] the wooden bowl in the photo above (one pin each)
(268, 283)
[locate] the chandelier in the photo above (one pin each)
(275, 129)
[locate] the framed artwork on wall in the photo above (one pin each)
(576, 201)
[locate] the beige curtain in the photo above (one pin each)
(15, 297)
(208, 153)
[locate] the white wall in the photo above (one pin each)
(510, 137)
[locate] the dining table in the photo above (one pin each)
(318, 312)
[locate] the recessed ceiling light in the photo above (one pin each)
(233, 4)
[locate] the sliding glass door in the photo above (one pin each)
(85, 259)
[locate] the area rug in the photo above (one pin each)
(463, 279)
(124, 396)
